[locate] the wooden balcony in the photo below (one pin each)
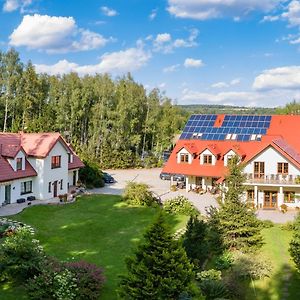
(273, 179)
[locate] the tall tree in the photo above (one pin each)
(159, 268)
(237, 223)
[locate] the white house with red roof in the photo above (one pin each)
(40, 165)
(268, 147)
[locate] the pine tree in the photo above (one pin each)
(195, 241)
(295, 244)
(238, 224)
(159, 268)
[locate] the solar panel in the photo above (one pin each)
(243, 126)
(287, 149)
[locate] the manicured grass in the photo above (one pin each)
(277, 287)
(99, 229)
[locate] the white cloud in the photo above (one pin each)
(164, 43)
(109, 12)
(235, 81)
(222, 84)
(54, 35)
(193, 63)
(116, 62)
(153, 14)
(171, 69)
(270, 18)
(279, 78)
(270, 98)
(163, 38)
(219, 85)
(12, 5)
(292, 15)
(210, 9)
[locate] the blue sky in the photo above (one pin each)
(237, 52)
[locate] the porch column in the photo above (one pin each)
(203, 184)
(256, 196)
(280, 198)
(172, 181)
(187, 185)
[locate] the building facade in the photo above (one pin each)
(40, 165)
(267, 146)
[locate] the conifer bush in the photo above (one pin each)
(295, 243)
(159, 268)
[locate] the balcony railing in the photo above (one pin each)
(273, 179)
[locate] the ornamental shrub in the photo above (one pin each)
(138, 194)
(295, 244)
(91, 175)
(180, 205)
(89, 279)
(21, 256)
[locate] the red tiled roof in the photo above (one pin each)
(77, 163)
(7, 173)
(282, 127)
(33, 144)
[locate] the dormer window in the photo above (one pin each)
(184, 158)
(207, 159)
(229, 158)
(19, 163)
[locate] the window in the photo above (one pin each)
(282, 168)
(26, 187)
(289, 197)
(49, 187)
(207, 159)
(259, 169)
(19, 163)
(184, 158)
(69, 157)
(55, 162)
(61, 184)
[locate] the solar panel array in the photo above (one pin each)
(240, 127)
(287, 149)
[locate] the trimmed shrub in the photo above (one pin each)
(89, 279)
(267, 224)
(21, 256)
(180, 205)
(138, 194)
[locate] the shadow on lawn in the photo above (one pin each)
(284, 285)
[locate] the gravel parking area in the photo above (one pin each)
(162, 188)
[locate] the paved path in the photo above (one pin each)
(13, 209)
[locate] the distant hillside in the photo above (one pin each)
(224, 109)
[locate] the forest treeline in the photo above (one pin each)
(114, 122)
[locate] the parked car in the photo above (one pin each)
(165, 176)
(178, 177)
(108, 178)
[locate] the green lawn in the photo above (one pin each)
(99, 229)
(277, 287)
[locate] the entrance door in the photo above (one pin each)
(74, 177)
(7, 198)
(270, 200)
(199, 181)
(55, 189)
(259, 169)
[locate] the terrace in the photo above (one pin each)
(272, 179)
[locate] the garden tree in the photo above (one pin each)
(292, 108)
(159, 268)
(295, 243)
(195, 241)
(237, 223)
